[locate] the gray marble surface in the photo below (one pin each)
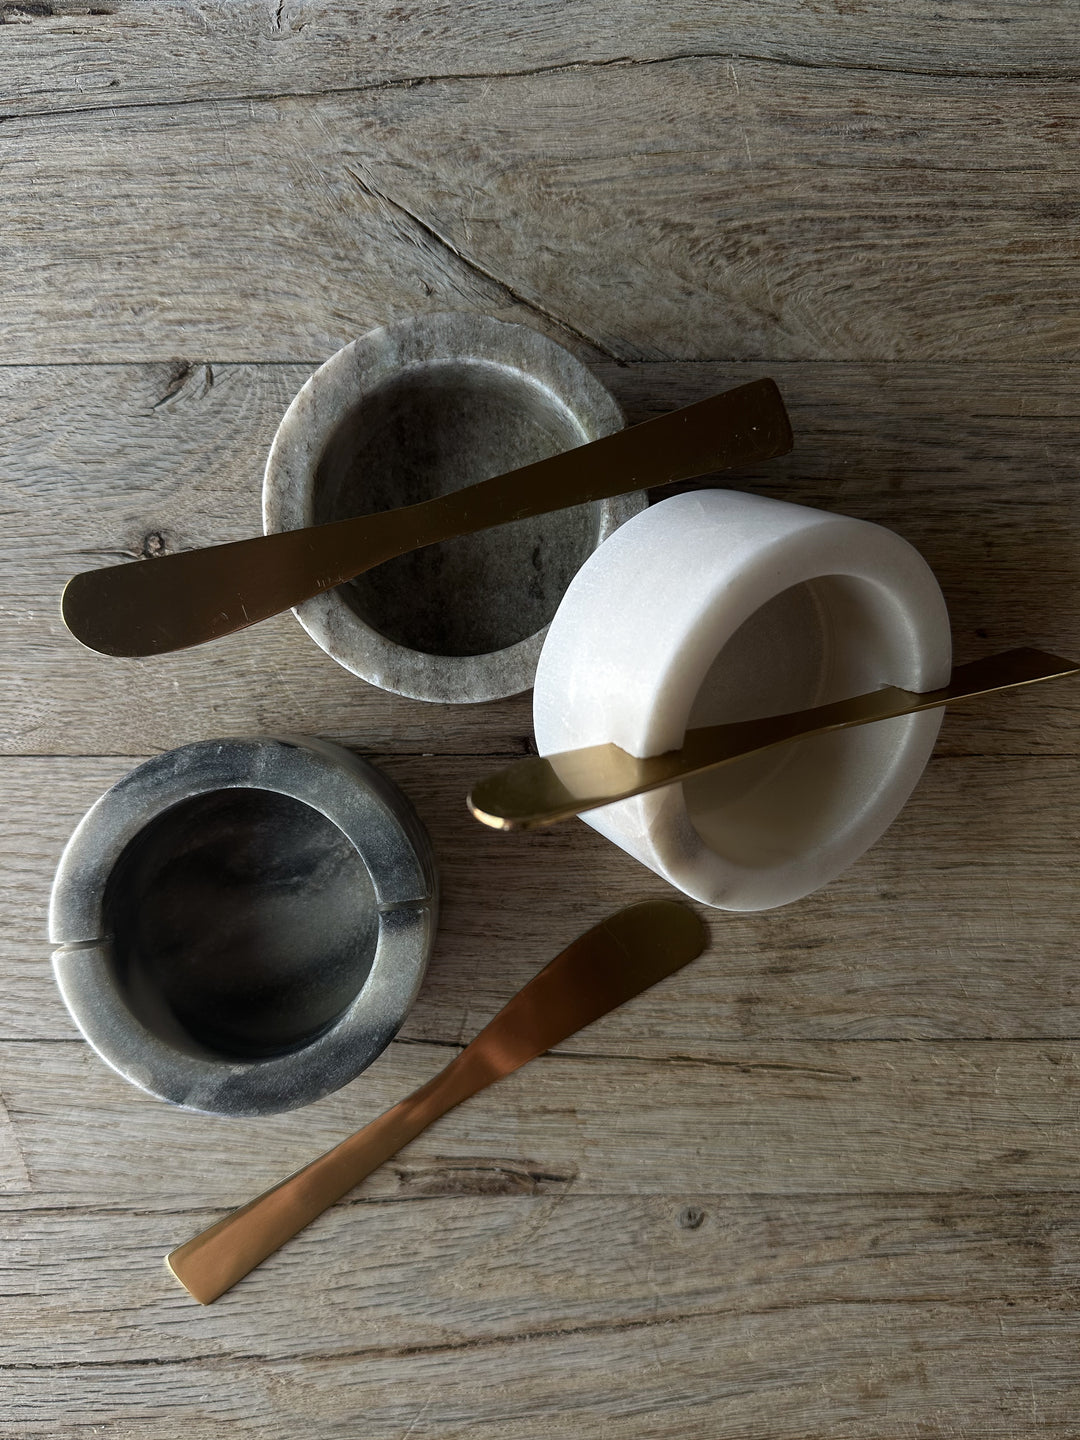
(421, 408)
(243, 924)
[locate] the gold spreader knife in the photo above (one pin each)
(148, 607)
(543, 789)
(605, 967)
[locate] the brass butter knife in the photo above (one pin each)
(544, 789)
(605, 967)
(149, 607)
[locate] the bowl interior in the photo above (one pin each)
(244, 922)
(434, 428)
(822, 640)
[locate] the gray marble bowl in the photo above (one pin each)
(242, 925)
(421, 408)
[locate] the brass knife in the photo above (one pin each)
(544, 789)
(149, 607)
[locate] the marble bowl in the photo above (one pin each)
(242, 925)
(420, 408)
(715, 606)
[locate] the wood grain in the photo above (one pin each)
(80, 54)
(610, 1316)
(816, 1373)
(702, 208)
(472, 1269)
(756, 1118)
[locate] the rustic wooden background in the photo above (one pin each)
(826, 1182)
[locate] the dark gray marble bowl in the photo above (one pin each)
(421, 408)
(243, 924)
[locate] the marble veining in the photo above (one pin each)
(243, 924)
(417, 409)
(243, 920)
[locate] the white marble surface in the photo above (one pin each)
(717, 606)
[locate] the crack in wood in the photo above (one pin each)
(368, 189)
(217, 1360)
(750, 1201)
(744, 1066)
(15, 1172)
(409, 82)
(191, 378)
(481, 1177)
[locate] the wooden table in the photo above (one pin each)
(825, 1183)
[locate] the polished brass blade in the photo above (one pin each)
(544, 789)
(149, 607)
(605, 967)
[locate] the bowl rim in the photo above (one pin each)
(390, 842)
(747, 549)
(366, 363)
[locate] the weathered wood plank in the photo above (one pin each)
(974, 466)
(834, 1370)
(774, 1118)
(77, 54)
(960, 923)
(698, 209)
(461, 1270)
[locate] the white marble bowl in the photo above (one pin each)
(716, 606)
(421, 408)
